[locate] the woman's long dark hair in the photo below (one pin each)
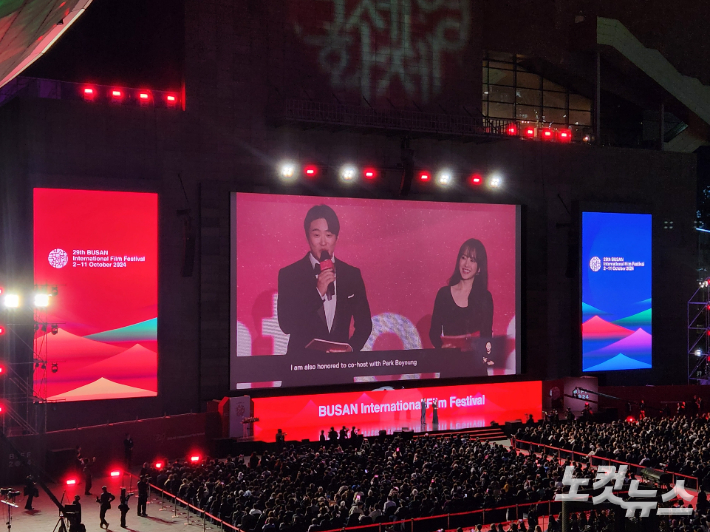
(474, 249)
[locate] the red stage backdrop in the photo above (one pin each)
(405, 250)
(459, 407)
(100, 249)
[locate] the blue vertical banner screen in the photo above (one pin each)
(616, 291)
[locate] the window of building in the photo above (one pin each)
(510, 91)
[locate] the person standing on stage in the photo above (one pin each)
(105, 500)
(123, 507)
(435, 416)
(30, 492)
(314, 304)
(143, 486)
(423, 409)
(128, 449)
(86, 472)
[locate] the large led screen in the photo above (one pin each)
(405, 290)
(100, 250)
(458, 408)
(616, 291)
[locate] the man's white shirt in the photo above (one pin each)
(328, 304)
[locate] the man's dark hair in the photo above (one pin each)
(322, 211)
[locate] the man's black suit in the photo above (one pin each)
(301, 312)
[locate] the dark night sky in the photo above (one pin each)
(134, 43)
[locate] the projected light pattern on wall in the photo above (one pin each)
(616, 291)
(372, 47)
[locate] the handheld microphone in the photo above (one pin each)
(327, 264)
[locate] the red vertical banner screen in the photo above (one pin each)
(97, 338)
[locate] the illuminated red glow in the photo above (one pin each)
(144, 96)
(310, 170)
(116, 94)
(512, 130)
(71, 482)
(476, 179)
(630, 419)
(547, 134)
(565, 135)
(171, 99)
(530, 132)
(158, 465)
(115, 474)
(424, 176)
(88, 93)
(369, 173)
(194, 459)
(2, 331)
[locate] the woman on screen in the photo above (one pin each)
(464, 306)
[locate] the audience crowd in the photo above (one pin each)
(360, 482)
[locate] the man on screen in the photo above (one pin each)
(315, 304)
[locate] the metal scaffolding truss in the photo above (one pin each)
(350, 116)
(699, 335)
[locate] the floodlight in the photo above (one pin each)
(41, 300)
(12, 301)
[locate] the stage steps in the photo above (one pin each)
(482, 433)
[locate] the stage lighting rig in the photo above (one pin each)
(445, 178)
(12, 301)
(496, 181)
(55, 367)
(287, 172)
(41, 300)
(348, 173)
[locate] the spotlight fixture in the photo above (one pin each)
(496, 181)
(116, 95)
(698, 352)
(547, 134)
(564, 135)
(55, 329)
(348, 173)
(444, 178)
(529, 132)
(12, 301)
(41, 300)
(89, 93)
(55, 367)
(171, 100)
(287, 172)
(310, 170)
(369, 173)
(476, 180)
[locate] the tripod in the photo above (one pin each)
(10, 506)
(61, 525)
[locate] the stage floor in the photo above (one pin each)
(161, 517)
